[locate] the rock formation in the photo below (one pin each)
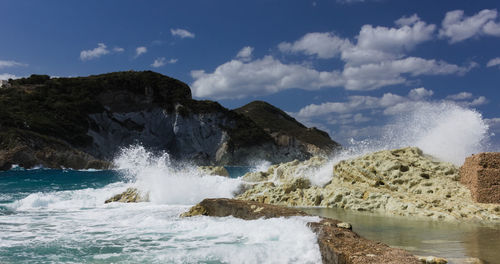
(92, 117)
(288, 132)
(401, 182)
(214, 170)
(337, 244)
(131, 195)
(481, 174)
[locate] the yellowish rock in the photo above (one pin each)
(214, 170)
(131, 195)
(432, 260)
(194, 211)
(402, 182)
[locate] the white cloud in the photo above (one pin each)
(493, 62)
(405, 37)
(6, 64)
(407, 21)
(418, 94)
(375, 44)
(481, 100)
(6, 76)
(158, 62)
(376, 59)
(237, 79)
(323, 45)
(162, 61)
(95, 53)
(353, 104)
(376, 75)
(182, 33)
(459, 96)
(245, 54)
(358, 103)
(457, 27)
(140, 50)
(462, 97)
(118, 49)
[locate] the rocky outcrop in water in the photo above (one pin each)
(337, 244)
(214, 170)
(481, 174)
(94, 116)
(400, 182)
(131, 195)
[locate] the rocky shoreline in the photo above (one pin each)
(337, 242)
(401, 182)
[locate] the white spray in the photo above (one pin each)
(167, 183)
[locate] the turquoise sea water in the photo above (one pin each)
(59, 216)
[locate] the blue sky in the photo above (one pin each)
(346, 66)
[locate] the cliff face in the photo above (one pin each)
(94, 116)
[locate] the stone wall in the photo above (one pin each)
(481, 174)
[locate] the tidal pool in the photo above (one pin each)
(423, 237)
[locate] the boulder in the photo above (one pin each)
(131, 195)
(337, 244)
(432, 260)
(481, 174)
(214, 170)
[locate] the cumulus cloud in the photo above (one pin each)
(375, 75)
(375, 58)
(140, 50)
(420, 93)
(493, 62)
(457, 27)
(10, 63)
(407, 21)
(95, 53)
(375, 44)
(118, 49)
(323, 45)
(238, 79)
(459, 96)
(245, 54)
(481, 100)
(162, 61)
(353, 104)
(182, 33)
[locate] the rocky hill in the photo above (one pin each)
(82, 122)
(286, 131)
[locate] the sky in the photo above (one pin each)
(348, 67)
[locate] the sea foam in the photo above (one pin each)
(170, 183)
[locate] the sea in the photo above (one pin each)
(59, 215)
